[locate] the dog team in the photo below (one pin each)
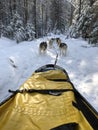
(43, 46)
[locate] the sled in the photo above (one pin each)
(48, 100)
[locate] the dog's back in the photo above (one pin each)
(63, 48)
(43, 47)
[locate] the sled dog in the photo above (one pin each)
(42, 47)
(58, 40)
(51, 41)
(63, 49)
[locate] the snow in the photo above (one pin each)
(19, 61)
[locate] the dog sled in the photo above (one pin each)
(47, 101)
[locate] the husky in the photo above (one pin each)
(63, 49)
(42, 47)
(51, 41)
(58, 41)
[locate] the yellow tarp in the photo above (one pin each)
(34, 111)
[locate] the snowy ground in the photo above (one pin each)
(19, 61)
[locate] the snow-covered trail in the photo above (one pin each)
(19, 61)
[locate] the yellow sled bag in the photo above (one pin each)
(47, 101)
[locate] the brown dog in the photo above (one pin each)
(63, 49)
(51, 41)
(58, 40)
(42, 47)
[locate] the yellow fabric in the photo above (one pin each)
(36, 111)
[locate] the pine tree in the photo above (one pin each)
(19, 31)
(29, 32)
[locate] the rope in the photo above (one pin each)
(56, 59)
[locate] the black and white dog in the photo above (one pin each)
(63, 49)
(42, 47)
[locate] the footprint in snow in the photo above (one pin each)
(12, 62)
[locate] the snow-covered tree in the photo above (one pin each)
(86, 25)
(43, 17)
(29, 32)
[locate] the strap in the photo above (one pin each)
(69, 126)
(54, 92)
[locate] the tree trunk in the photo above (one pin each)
(79, 8)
